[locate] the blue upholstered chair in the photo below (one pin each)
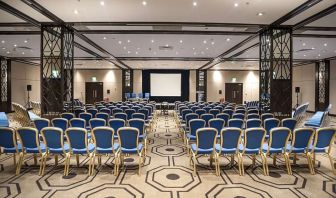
(189, 116)
(61, 123)
(220, 108)
(136, 108)
(87, 117)
(269, 124)
(140, 125)
(238, 123)
(139, 116)
(77, 139)
(77, 122)
(116, 110)
(104, 145)
(53, 138)
(106, 110)
(253, 142)
(129, 113)
(194, 108)
(324, 139)
(265, 116)
(147, 96)
(253, 123)
(228, 111)
(240, 111)
(238, 116)
(129, 144)
(184, 113)
(103, 116)
(217, 123)
(68, 116)
(200, 112)
(194, 125)
(205, 144)
(116, 124)
(93, 112)
(207, 109)
(145, 112)
(224, 116)
(253, 111)
(214, 112)
(78, 111)
(230, 139)
(41, 123)
(206, 117)
(97, 122)
(278, 141)
(30, 143)
(253, 116)
(124, 107)
(121, 116)
(289, 123)
(301, 142)
(127, 96)
(8, 143)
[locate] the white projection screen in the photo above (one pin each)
(165, 84)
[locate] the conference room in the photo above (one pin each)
(178, 98)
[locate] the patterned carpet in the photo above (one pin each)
(167, 173)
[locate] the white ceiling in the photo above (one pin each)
(238, 65)
(328, 21)
(187, 65)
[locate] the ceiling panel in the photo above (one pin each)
(238, 65)
(8, 18)
(327, 21)
(165, 64)
(93, 64)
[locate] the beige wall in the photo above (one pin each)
(110, 78)
(137, 81)
(304, 77)
(332, 91)
(192, 86)
(21, 76)
(216, 81)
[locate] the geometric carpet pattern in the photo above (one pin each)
(167, 173)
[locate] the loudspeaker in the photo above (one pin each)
(220, 92)
(108, 91)
(29, 87)
(297, 89)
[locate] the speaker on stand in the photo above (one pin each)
(297, 91)
(29, 88)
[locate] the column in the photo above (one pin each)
(127, 82)
(276, 62)
(201, 85)
(57, 69)
(5, 86)
(322, 77)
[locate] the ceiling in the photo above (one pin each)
(126, 29)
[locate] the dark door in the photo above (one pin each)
(234, 92)
(93, 92)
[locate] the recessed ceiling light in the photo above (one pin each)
(319, 55)
(104, 38)
(176, 52)
(260, 14)
(8, 52)
(128, 41)
(193, 48)
(152, 41)
(102, 3)
(167, 45)
(181, 41)
(3, 48)
(207, 48)
(138, 48)
(313, 48)
(204, 41)
(194, 3)
(304, 55)
(303, 44)
(2, 41)
(194, 53)
(124, 47)
(76, 11)
(136, 52)
(228, 39)
(144, 3)
(25, 41)
(23, 53)
(119, 42)
(236, 5)
(128, 52)
(325, 45)
(213, 42)
(15, 45)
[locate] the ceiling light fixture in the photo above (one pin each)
(25, 41)
(102, 3)
(207, 48)
(76, 11)
(15, 45)
(119, 42)
(213, 42)
(303, 44)
(144, 3)
(236, 5)
(228, 39)
(23, 53)
(8, 52)
(3, 48)
(260, 14)
(193, 48)
(204, 41)
(128, 52)
(128, 41)
(304, 55)
(104, 38)
(313, 48)
(124, 47)
(325, 45)
(194, 3)
(2, 41)
(136, 52)
(181, 41)
(152, 41)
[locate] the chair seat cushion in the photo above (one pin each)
(132, 150)
(84, 151)
(191, 137)
(143, 136)
(108, 150)
(200, 150)
(271, 150)
(60, 150)
(294, 150)
(219, 149)
(317, 149)
(247, 150)
(13, 149)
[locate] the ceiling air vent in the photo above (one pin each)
(165, 47)
(305, 50)
(24, 48)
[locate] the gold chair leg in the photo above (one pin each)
(239, 164)
(194, 163)
(242, 164)
(35, 159)
(286, 163)
(77, 159)
(294, 158)
(253, 159)
(56, 159)
(217, 164)
(211, 159)
(266, 164)
(65, 164)
(332, 164)
(274, 159)
(310, 163)
(19, 164)
(68, 164)
(232, 160)
(41, 163)
(14, 158)
(94, 161)
(216, 168)
(139, 171)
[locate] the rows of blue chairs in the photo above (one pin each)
(139, 95)
(216, 134)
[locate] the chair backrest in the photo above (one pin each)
(92, 111)
(324, 137)
(86, 116)
(253, 123)
(129, 113)
(53, 137)
(238, 123)
(116, 110)
(253, 111)
(190, 116)
(97, 122)
(103, 137)
(289, 123)
(214, 112)
(196, 124)
(216, 123)
(68, 116)
(206, 138)
(105, 110)
(302, 137)
(139, 124)
(271, 123)
(145, 112)
(128, 137)
(238, 116)
(78, 111)
(224, 116)
(253, 116)
(185, 112)
(103, 116)
(207, 109)
(121, 116)
(77, 138)
(254, 138)
(28, 137)
(77, 122)
(139, 116)
(230, 137)
(61, 123)
(116, 123)
(147, 95)
(194, 108)
(136, 108)
(279, 137)
(206, 117)
(41, 123)
(265, 116)
(200, 112)
(124, 107)
(7, 138)
(228, 111)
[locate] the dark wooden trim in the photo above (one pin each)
(314, 28)
(315, 35)
(246, 70)
(20, 32)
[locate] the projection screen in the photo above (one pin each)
(165, 84)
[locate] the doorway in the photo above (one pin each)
(93, 92)
(234, 92)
